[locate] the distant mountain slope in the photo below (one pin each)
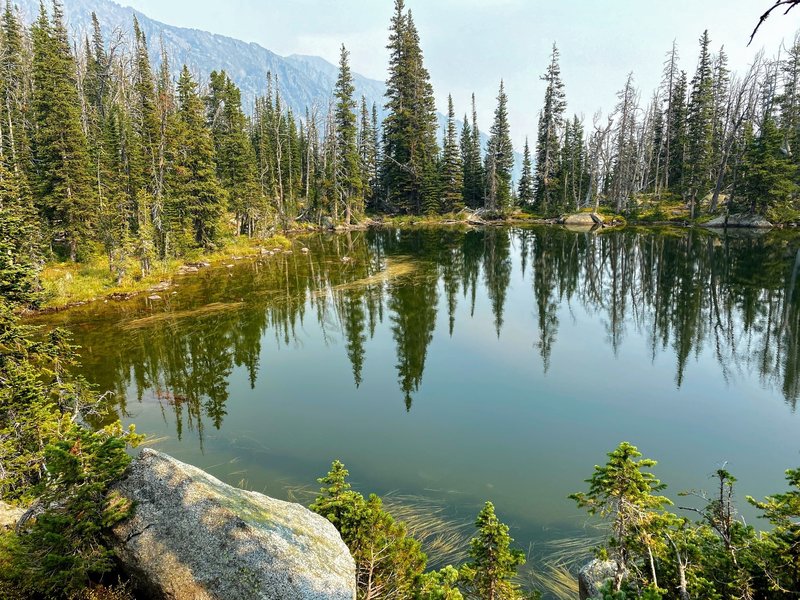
(304, 80)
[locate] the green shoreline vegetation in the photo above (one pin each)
(113, 176)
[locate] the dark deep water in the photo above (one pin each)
(461, 366)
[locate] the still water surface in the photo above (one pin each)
(459, 366)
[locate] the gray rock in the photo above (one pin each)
(9, 515)
(738, 220)
(583, 219)
(592, 576)
(193, 537)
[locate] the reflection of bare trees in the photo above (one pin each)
(685, 292)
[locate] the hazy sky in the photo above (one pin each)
(470, 44)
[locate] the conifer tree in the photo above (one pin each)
(500, 157)
(410, 150)
(144, 111)
(63, 189)
(624, 491)
(234, 154)
(675, 147)
(493, 566)
(471, 157)
(14, 98)
(525, 188)
(452, 167)
(197, 199)
(547, 141)
(349, 186)
(700, 127)
(768, 176)
(790, 101)
(367, 151)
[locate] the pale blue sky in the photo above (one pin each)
(470, 44)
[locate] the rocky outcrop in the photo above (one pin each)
(584, 219)
(738, 220)
(193, 537)
(592, 577)
(9, 515)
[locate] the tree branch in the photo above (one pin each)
(790, 4)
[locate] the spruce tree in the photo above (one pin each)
(768, 177)
(145, 115)
(790, 101)
(493, 566)
(409, 130)
(196, 198)
(62, 183)
(349, 187)
(700, 127)
(234, 154)
(624, 491)
(499, 157)
(675, 147)
(547, 141)
(452, 167)
(525, 188)
(367, 152)
(471, 157)
(14, 98)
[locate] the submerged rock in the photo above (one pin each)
(193, 537)
(592, 576)
(739, 220)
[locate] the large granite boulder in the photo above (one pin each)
(583, 219)
(738, 220)
(592, 576)
(193, 537)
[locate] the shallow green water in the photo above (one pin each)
(463, 366)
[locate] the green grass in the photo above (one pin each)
(67, 283)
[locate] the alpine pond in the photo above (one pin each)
(448, 366)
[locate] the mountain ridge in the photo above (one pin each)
(305, 81)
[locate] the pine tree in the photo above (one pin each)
(349, 186)
(410, 151)
(471, 157)
(768, 177)
(452, 167)
(493, 566)
(197, 199)
(14, 99)
(790, 101)
(525, 189)
(144, 112)
(624, 491)
(388, 561)
(18, 248)
(63, 189)
(500, 156)
(234, 154)
(675, 147)
(547, 141)
(700, 127)
(573, 173)
(367, 152)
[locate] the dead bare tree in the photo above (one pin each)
(789, 4)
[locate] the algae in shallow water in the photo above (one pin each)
(215, 307)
